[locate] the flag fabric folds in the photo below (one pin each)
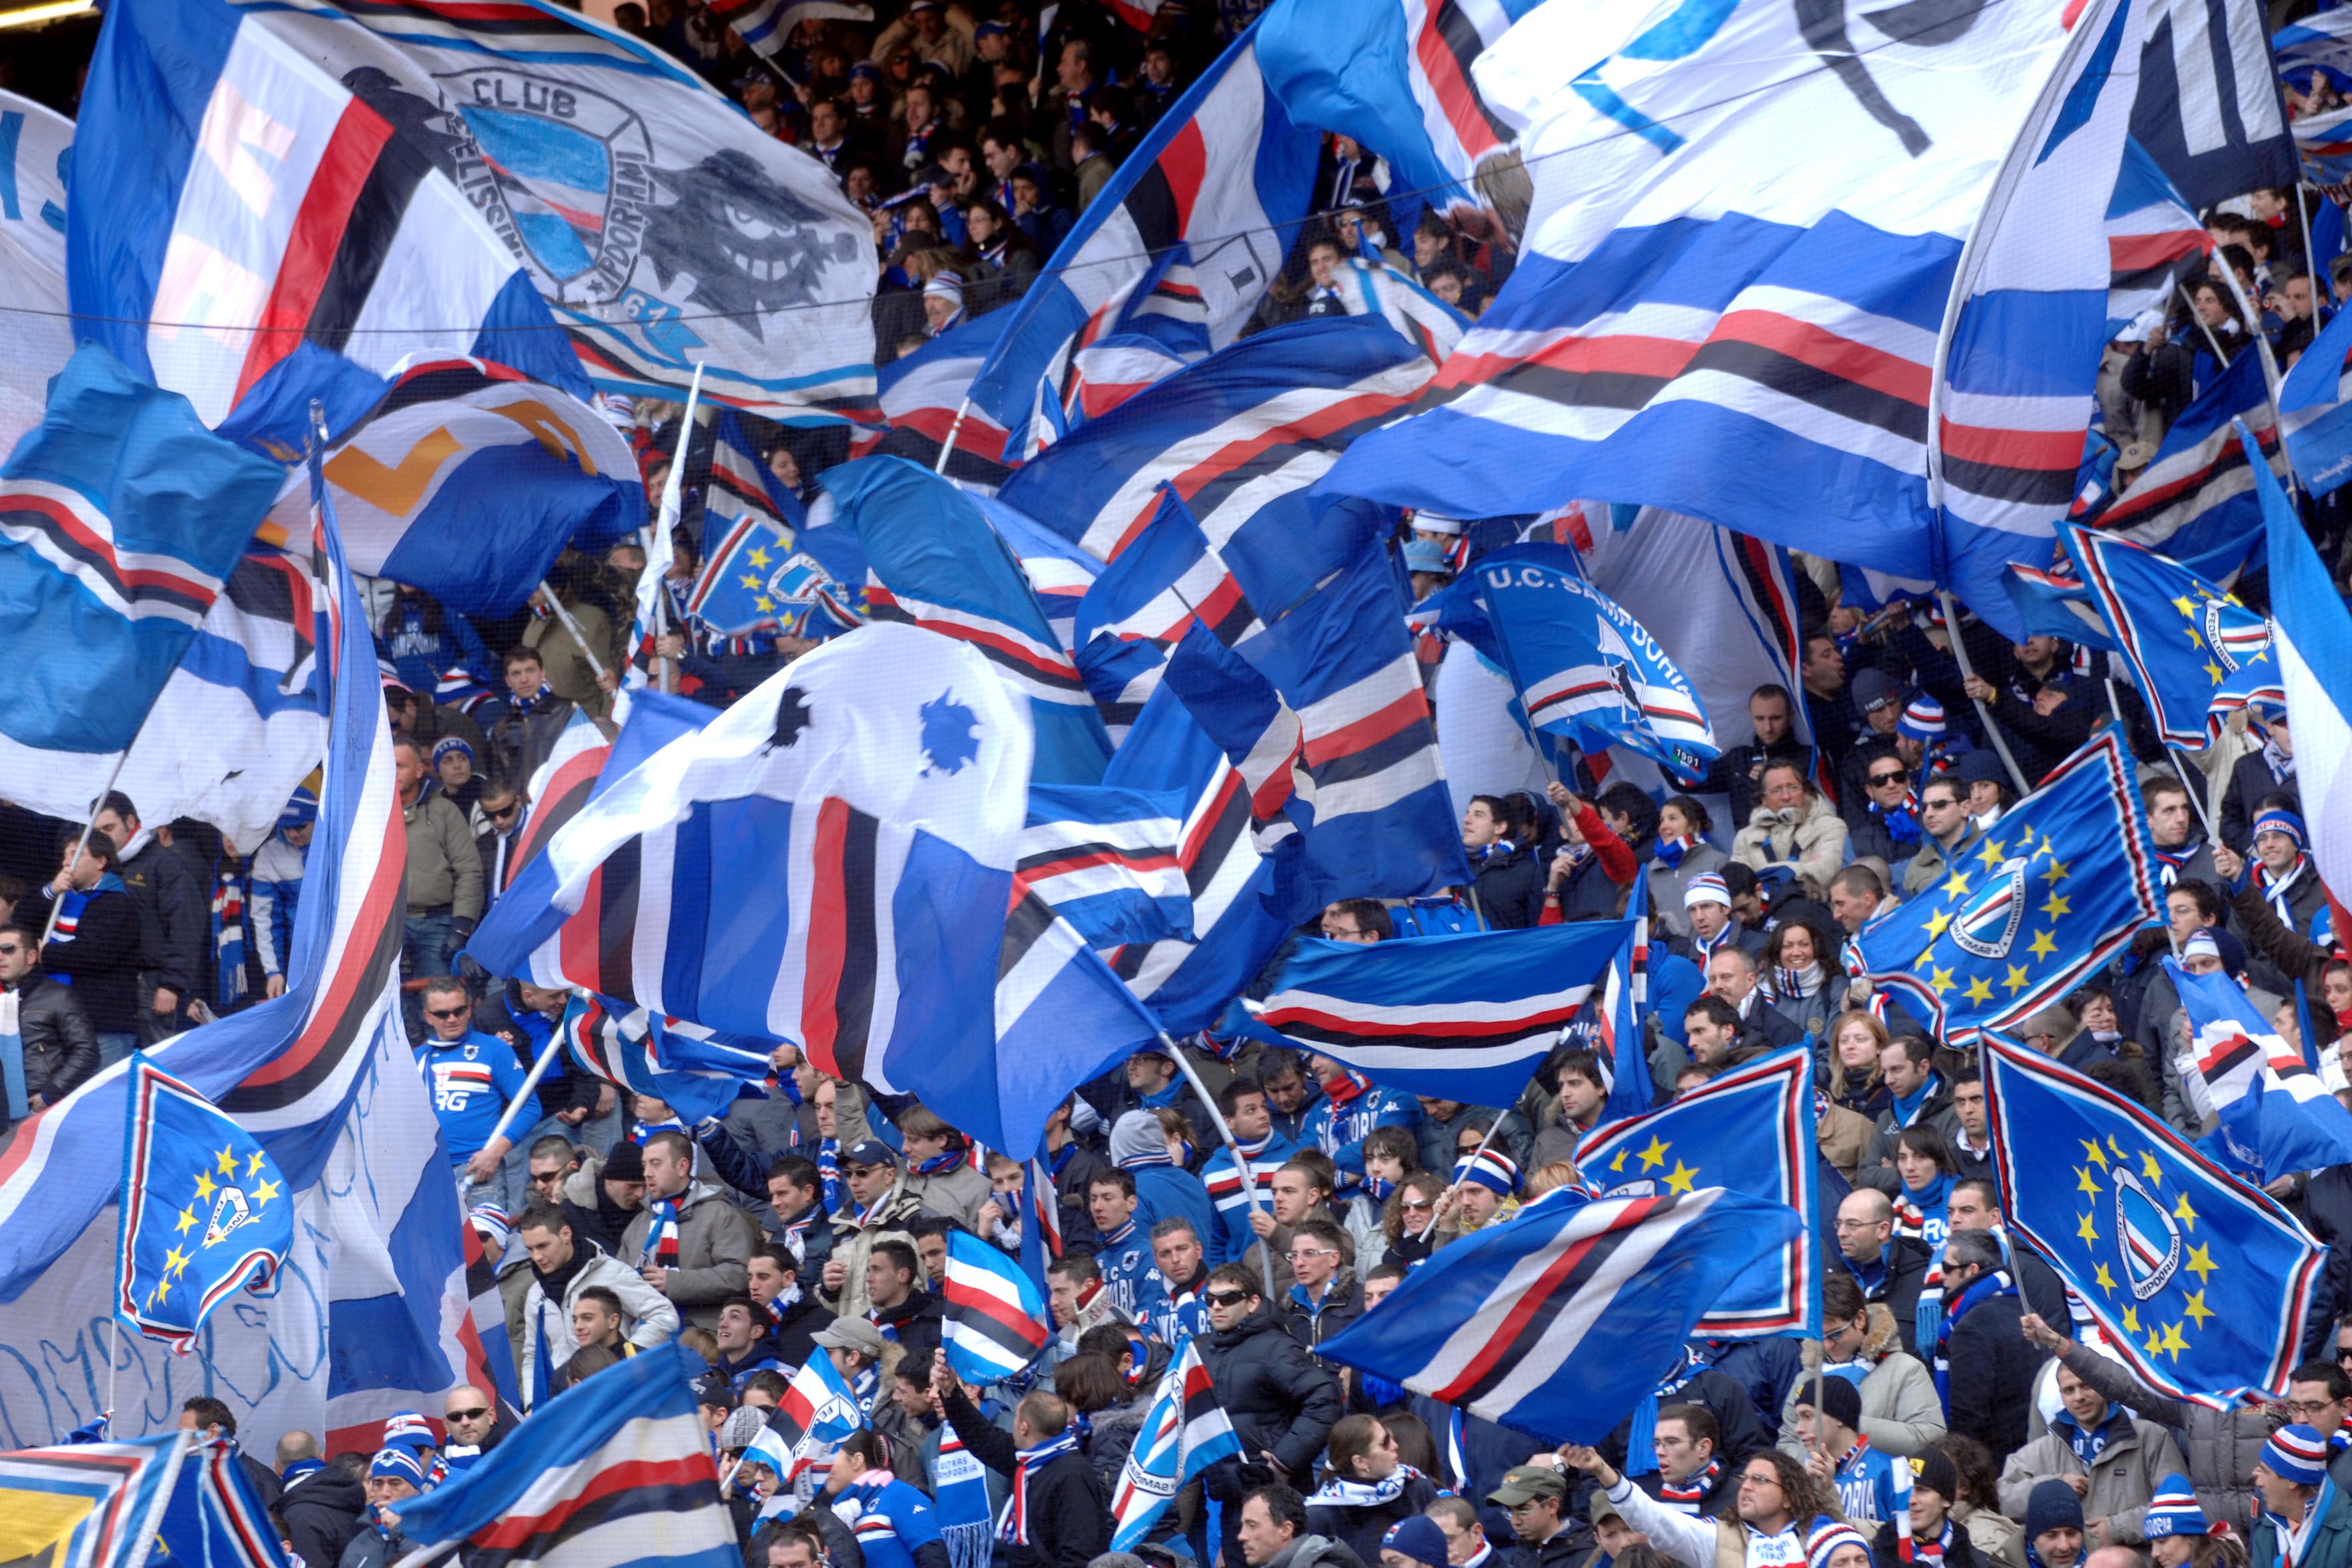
(217, 1518)
(1714, 1137)
(88, 1505)
(2276, 1116)
(205, 1211)
(122, 516)
(2047, 895)
(766, 25)
(748, 526)
(1107, 860)
(1184, 1431)
(1369, 287)
(2314, 415)
(619, 1475)
(2200, 1282)
(1610, 1027)
(2196, 653)
(641, 1054)
(995, 1322)
(1224, 175)
(2207, 108)
(1559, 1323)
(2196, 495)
(1477, 1010)
(2153, 240)
(817, 1411)
(924, 395)
(2320, 43)
(36, 156)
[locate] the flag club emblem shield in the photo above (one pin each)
(1989, 922)
(566, 173)
(2146, 1235)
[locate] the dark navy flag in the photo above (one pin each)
(121, 517)
(1559, 1323)
(2209, 109)
(2276, 1116)
(1751, 1131)
(205, 1211)
(2201, 1281)
(2196, 653)
(2051, 891)
(1477, 1011)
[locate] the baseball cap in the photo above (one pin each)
(1522, 1483)
(868, 1152)
(851, 1334)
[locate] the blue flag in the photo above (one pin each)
(2201, 1281)
(123, 517)
(1184, 1431)
(1714, 1137)
(2314, 414)
(2051, 891)
(1611, 1028)
(215, 1517)
(1559, 1323)
(695, 1071)
(2196, 496)
(1467, 1016)
(203, 1212)
(2276, 1116)
(996, 1319)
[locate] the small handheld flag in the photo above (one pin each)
(995, 1321)
(89, 1503)
(205, 1211)
(1184, 1431)
(818, 1410)
(2275, 1113)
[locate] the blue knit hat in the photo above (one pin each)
(2279, 819)
(1489, 1168)
(399, 1463)
(2174, 1510)
(302, 810)
(1416, 1536)
(2051, 1506)
(1923, 718)
(2296, 1453)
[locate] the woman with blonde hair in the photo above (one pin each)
(1853, 1079)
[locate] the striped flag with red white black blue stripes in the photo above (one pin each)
(996, 1319)
(1185, 1430)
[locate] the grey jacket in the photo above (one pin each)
(2123, 1476)
(444, 867)
(1901, 1412)
(2223, 1445)
(714, 1240)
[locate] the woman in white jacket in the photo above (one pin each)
(561, 1267)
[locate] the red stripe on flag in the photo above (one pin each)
(309, 259)
(2138, 252)
(1826, 351)
(1455, 97)
(344, 990)
(997, 1310)
(828, 927)
(1369, 730)
(1505, 1339)
(579, 953)
(2052, 451)
(1184, 164)
(514, 1529)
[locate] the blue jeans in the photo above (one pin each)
(116, 1046)
(426, 943)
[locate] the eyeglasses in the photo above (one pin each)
(1897, 776)
(1296, 1253)
(475, 1414)
(1225, 1297)
(446, 1012)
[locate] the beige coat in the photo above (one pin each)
(1811, 837)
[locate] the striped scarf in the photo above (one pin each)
(1928, 1553)
(1997, 1283)
(795, 1234)
(1690, 1495)
(959, 1498)
(229, 932)
(828, 1174)
(2274, 889)
(1670, 851)
(1014, 1526)
(1640, 1451)
(1902, 820)
(938, 1163)
(661, 1239)
(70, 906)
(783, 1301)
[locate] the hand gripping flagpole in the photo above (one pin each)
(547, 1055)
(1242, 1166)
(58, 904)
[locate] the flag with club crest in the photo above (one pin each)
(2275, 1114)
(1184, 1431)
(2200, 1282)
(2050, 892)
(817, 1411)
(1752, 1131)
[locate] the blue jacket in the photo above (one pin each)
(895, 1524)
(1223, 1180)
(472, 1081)
(1341, 1131)
(1129, 1277)
(277, 870)
(1171, 1191)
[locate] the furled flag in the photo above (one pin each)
(204, 1214)
(231, 200)
(1224, 175)
(2196, 653)
(466, 480)
(1141, 605)
(1585, 670)
(881, 780)
(2196, 495)
(934, 560)
(2314, 415)
(2209, 107)
(1611, 1027)
(1752, 281)
(1396, 76)
(122, 516)
(660, 226)
(1106, 860)
(620, 1473)
(2276, 1116)
(817, 1411)
(766, 25)
(2153, 240)
(36, 155)
(217, 1518)
(1371, 287)
(1558, 1322)
(631, 1049)
(88, 1505)
(1479, 1010)
(2050, 892)
(995, 1321)
(2200, 1282)
(2324, 144)
(1710, 1138)
(925, 394)
(489, 1351)
(1184, 1431)
(2312, 639)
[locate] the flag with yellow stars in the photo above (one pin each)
(1752, 1131)
(205, 1211)
(2201, 1281)
(2195, 652)
(2048, 894)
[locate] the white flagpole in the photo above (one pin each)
(653, 599)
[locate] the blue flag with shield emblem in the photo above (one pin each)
(2049, 893)
(204, 1211)
(2201, 1281)
(1715, 1136)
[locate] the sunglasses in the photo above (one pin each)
(500, 815)
(1422, 1203)
(12, 949)
(1225, 1297)
(474, 1415)
(447, 1012)
(1897, 776)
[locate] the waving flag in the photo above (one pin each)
(2196, 653)
(2314, 415)
(1224, 175)
(1105, 859)
(2196, 495)
(2200, 1282)
(466, 480)
(36, 154)
(2324, 143)
(88, 1505)
(560, 786)
(121, 517)
(2313, 641)
(2276, 1116)
(2153, 240)
(1479, 1010)
(1059, 572)
(622, 1474)
(1140, 605)
(217, 1518)
(634, 1051)
(817, 1411)
(1710, 1138)
(1184, 1431)
(661, 228)
(1558, 1322)
(205, 1211)
(767, 25)
(1612, 1028)
(995, 1321)
(2053, 891)
(1369, 287)
(1154, 327)
(2321, 42)
(924, 393)
(749, 522)
(2209, 107)
(1063, 1018)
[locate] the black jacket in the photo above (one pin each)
(102, 960)
(1735, 1416)
(1739, 772)
(917, 1321)
(1888, 1550)
(1508, 890)
(795, 1338)
(2250, 782)
(1359, 1528)
(322, 1513)
(1068, 1507)
(1280, 1401)
(1992, 1375)
(1342, 1305)
(60, 1047)
(175, 916)
(1906, 1269)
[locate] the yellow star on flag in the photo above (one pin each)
(264, 1193)
(253, 1163)
(2156, 1345)
(187, 1219)
(2173, 1343)
(758, 555)
(1992, 854)
(2200, 1263)
(2194, 640)
(2116, 1147)
(162, 1289)
(2086, 1182)
(749, 580)
(2196, 1308)
(2086, 1230)
(176, 1263)
(1937, 924)
(2213, 672)
(1656, 1154)
(1942, 980)
(2105, 1280)
(227, 1162)
(2148, 1167)
(205, 1187)
(2016, 980)
(1678, 1179)
(2185, 606)
(1958, 885)
(764, 603)
(2184, 1213)
(2054, 906)
(2093, 1152)
(2131, 1320)
(1978, 990)
(2058, 872)
(2042, 945)
(1618, 1164)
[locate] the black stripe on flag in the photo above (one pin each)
(616, 920)
(1547, 1312)
(853, 996)
(367, 238)
(1152, 206)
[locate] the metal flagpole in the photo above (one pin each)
(556, 604)
(1242, 1165)
(955, 428)
(58, 904)
(529, 1083)
(1496, 1126)
(1961, 657)
(659, 551)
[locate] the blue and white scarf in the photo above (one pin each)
(959, 1498)
(1640, 1452)
(1014, 1526)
